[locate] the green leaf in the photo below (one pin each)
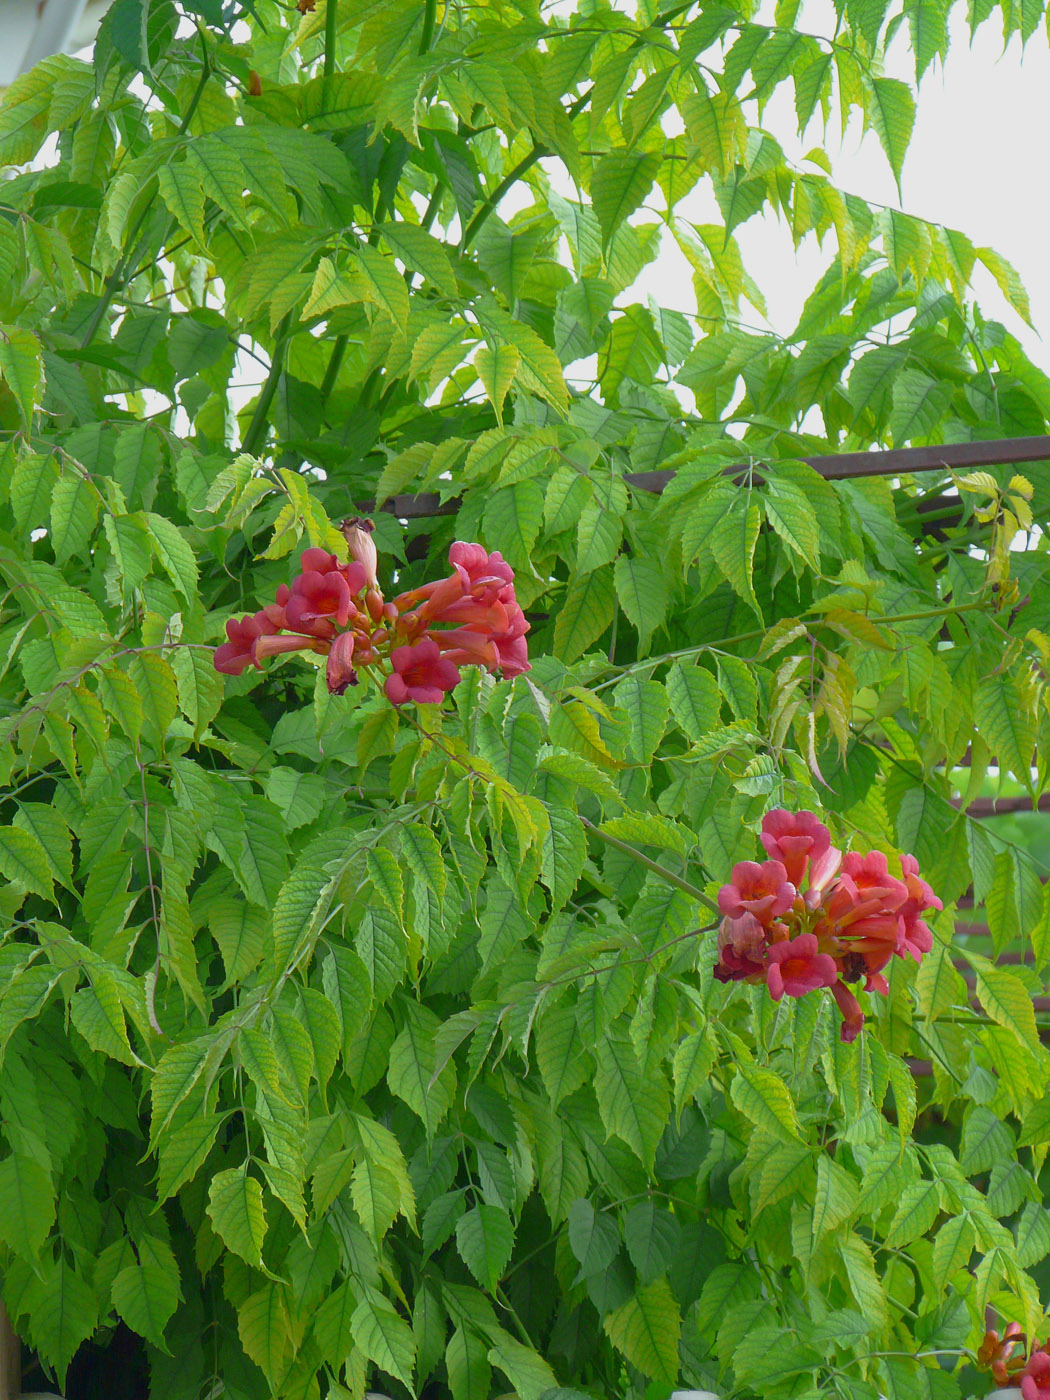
(564, 852)
(496, 367)
(235, 1206)
(131, 542)
(485, 1240)
(620, 184)
(346, 985)
(763, 1097)
(645, 703)
(952, 1250)
(421, 252)
(1033, 1235)
(23, 115)
(652, 1235)
(145, 1295)
(24, 861)
(183, 1151)
(382, 284)
(154, 680)
(200, 687)
(642, 593)
(560, 1052)
(539, 370)
(891, 108)
(382, 947)
(467, 1363)
(695, 700)
(836, 1197)
(1008, 281)
(22, 368)
(634, 1099)
(331, 1324)
(437, 352)
(586, 612)
(986, 1140)
(331, 288)
(513, 516)
(864, 1281)
(593, 1238)
(181, 190)
(919, 403)
(376, 1198)
(174, 555)
(646, 1329)
(97, 1013)
(294, 1050)
(421, 851)
(64, 1314)
(410, 1074)
(529, 1375)
(1005, 998)
(265, 1331)
(384, 872)
(1006, 725)
(33, 484)
(74, 515)
(384, 1336)
(917, 1209)
(599, 530)
(792, 516)
(27, 1206)
(733, 549)
(259, 1061)
(240, 930)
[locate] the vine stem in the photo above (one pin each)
(257, 426)
(624, 846)
(331, 14)
(654, 866)
(511, 178)
(118, 277)
(151, 991)
(427, 36)
(650, 663)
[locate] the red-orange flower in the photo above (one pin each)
(794, 838)
(796, 967)
(339, 672)
(238, 652)
(843, 928)
(470, 617)
(319, 595)
(1035, 1378)
(421, 673)
(762, 890)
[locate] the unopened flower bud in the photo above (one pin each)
(374, 604)
(358, 535)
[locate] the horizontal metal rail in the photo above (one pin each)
(845, 466)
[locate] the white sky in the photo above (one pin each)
(976, 162)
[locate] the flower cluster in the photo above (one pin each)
(419, 639)
(843, 927)
(1031, 1373)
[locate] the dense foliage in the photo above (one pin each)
(348, 1044)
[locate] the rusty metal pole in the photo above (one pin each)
(10, 1359)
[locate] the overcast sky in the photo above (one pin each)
(977, 162)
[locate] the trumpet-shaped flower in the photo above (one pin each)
(762, 890)
(797, 967)
(795, 839)
(421, 673)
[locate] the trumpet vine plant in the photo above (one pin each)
(390, 995)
